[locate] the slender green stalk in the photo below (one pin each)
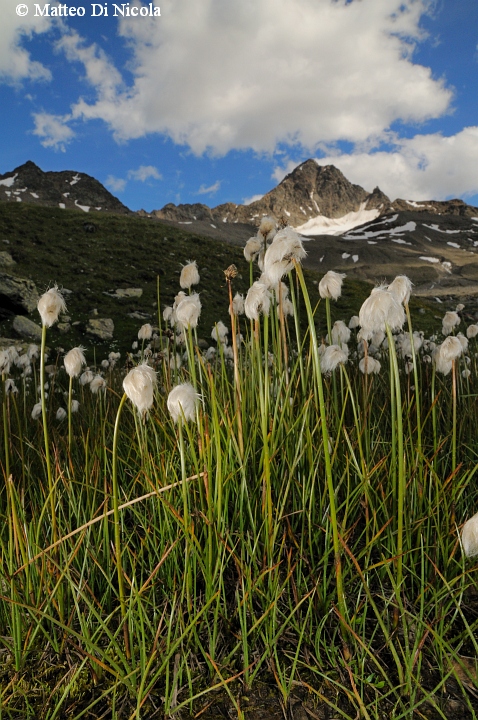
(117, 528)
(6, 439)
(328, 467)
(51, 486)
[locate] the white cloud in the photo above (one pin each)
(144, 172)
(424, 167)
(53, 130)
(16, 63)
(254, 198)
(203, 190)
(269, 71)
(116, 184)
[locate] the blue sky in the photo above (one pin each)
(215, 100)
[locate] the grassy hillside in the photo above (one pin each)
(93, 254)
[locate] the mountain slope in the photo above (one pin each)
(66, 189)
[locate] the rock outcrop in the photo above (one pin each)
(18, 296)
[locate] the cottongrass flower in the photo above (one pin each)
(380, 309)
(340, 333)
(369, 365)
(86, 377)
(113, 358)
(189, 275)
(22, 361)
(333, 356)
(139, 386)
(10, 387)
(220, 332)
(175, 362)
(145, 332)
(36, 411)
(267, 228)
(450, 321)
(33, 351)
(98, 383)
(237, 304)
(444, 354)
(168, 314)
(471, 331)
(50, 305)
(285, 250)
(61, 414)
(401, 288)
(252, 249)
(466, 373)
(188, 311)
(182, 402)
(5, 362)
(74, 361)
(469, 536)
(464, 341)
(258, 300)
(75, 406)
(331, 285)
(354, 322)
(287, 308)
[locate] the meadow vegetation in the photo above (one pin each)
(285, 506)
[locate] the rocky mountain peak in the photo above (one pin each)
(66, 189)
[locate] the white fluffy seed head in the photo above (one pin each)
(5, 362)
(75, 406)
(340, 333)
(267, 228)
(139, 386)
(145, 332)
(369, 365)
(258, 300)
(450, 320)
(36, 411)
(50, 305)
(401, 288)
(286, 248)
(469, 536)
(451, 348)
(189, 275)
(74, 361)
(188, 311)
(220, 332)
(471, 331)
(86, 377)
(380, 309)
(252, 248)
(61, 414)
(182, 402)
(98, 383)
(237, 304)
(354, 322)
(331, 285)
(332, 358)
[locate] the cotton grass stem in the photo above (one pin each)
(401, 479)
(51, 487)
(117, 529)
(5, 429)
(342, 608)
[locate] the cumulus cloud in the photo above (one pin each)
(254, 198)
(270, 71)
(144, 172)
(53, 130)
(116, 184)
(16, 63)
(203, 190)
(424, 167)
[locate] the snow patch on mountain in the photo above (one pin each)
(322, 225)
